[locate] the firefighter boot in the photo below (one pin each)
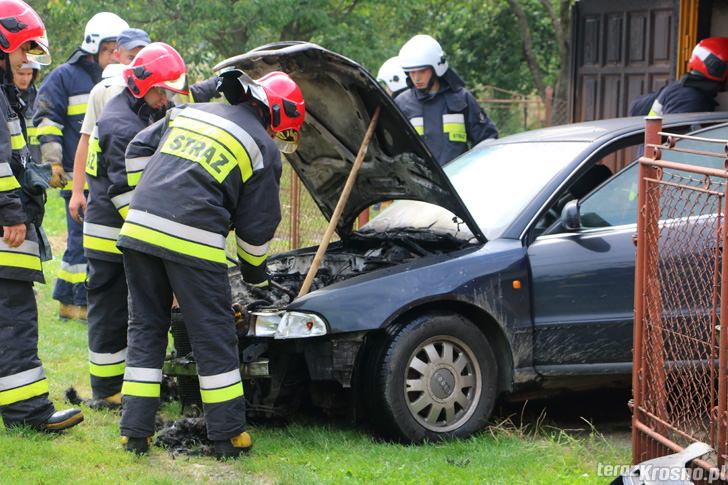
(138, 446)
(233, 447)
(61, 420)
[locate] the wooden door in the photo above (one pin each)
(622, 48)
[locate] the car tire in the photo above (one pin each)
(435, 379)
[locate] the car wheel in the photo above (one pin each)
(436, 380)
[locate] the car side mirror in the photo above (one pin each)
(570, 216)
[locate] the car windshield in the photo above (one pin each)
(495, 181)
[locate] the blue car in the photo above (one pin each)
(508, 270)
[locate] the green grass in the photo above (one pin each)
(303, 452)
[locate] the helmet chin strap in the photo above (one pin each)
(427, 90)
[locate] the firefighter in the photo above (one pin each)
(210, 166)
(128, 44)
(24, 79)
(694, 91)
(124, 116)
(23, 385)
(442, 111)
(59, 111)
(392, 77)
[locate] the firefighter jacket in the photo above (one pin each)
(206, 167)
(450, 121)
(109, 193)
(28, 96)
(61, 106)
(689, 94)
(21, 195)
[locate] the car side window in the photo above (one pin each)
(614, 203)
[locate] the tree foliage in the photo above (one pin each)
(481, 38)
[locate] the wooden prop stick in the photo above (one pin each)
(343, 199)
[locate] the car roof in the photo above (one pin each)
(592, 131)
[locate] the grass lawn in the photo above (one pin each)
(304, 452)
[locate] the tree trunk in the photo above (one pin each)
(528, 47)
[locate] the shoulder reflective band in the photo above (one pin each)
(173, 236)
(25, 256)
(221, 387)
(22, 386)
(100, 238)
(72, 273)
(107, 365)
(656, 109)
(419, 125)
(141, 382)
(134, 169)
(49, 127)
(77, 104)
(92, 157)
(454, 126)
(251, 254)
(17, 140)
(233, 138)
(121, 202)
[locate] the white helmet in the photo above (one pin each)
(391, 73)
(103, 27)
(423, 51)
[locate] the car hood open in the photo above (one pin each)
(340, 98)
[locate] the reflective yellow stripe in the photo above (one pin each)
(76, 109)
(73, 278)
(203, 149)
(24, 392)
(172, 243)
(49, 130)
(100, 244)
(17, 142)
(211, 396)
(231, 144)
(92, 157)
(110, 370)
(250, 258)
(124, 211)
(140, 389)
(456, 131)
(8, 183)
(132, 178)
(17, 260)
(33, 136)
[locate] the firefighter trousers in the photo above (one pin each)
(107, 322)
(23, 385)
(70, 287)
(205, 302)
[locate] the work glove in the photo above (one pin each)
(58, 176)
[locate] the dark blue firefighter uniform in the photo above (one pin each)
(687, 95)
(28, 96)
(59, 111)
(23, 384)
(449, 121)
(109, 194)
(206, 168)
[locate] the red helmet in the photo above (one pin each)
(287, 108)
(19, 24)
(710, 58)
(156, 65)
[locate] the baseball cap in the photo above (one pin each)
(132, 38)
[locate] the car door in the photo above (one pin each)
(583, 284)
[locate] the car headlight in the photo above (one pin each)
(300, 325)
(265, 323)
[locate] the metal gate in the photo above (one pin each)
(680, 353)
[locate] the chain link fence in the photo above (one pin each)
(680, 353)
